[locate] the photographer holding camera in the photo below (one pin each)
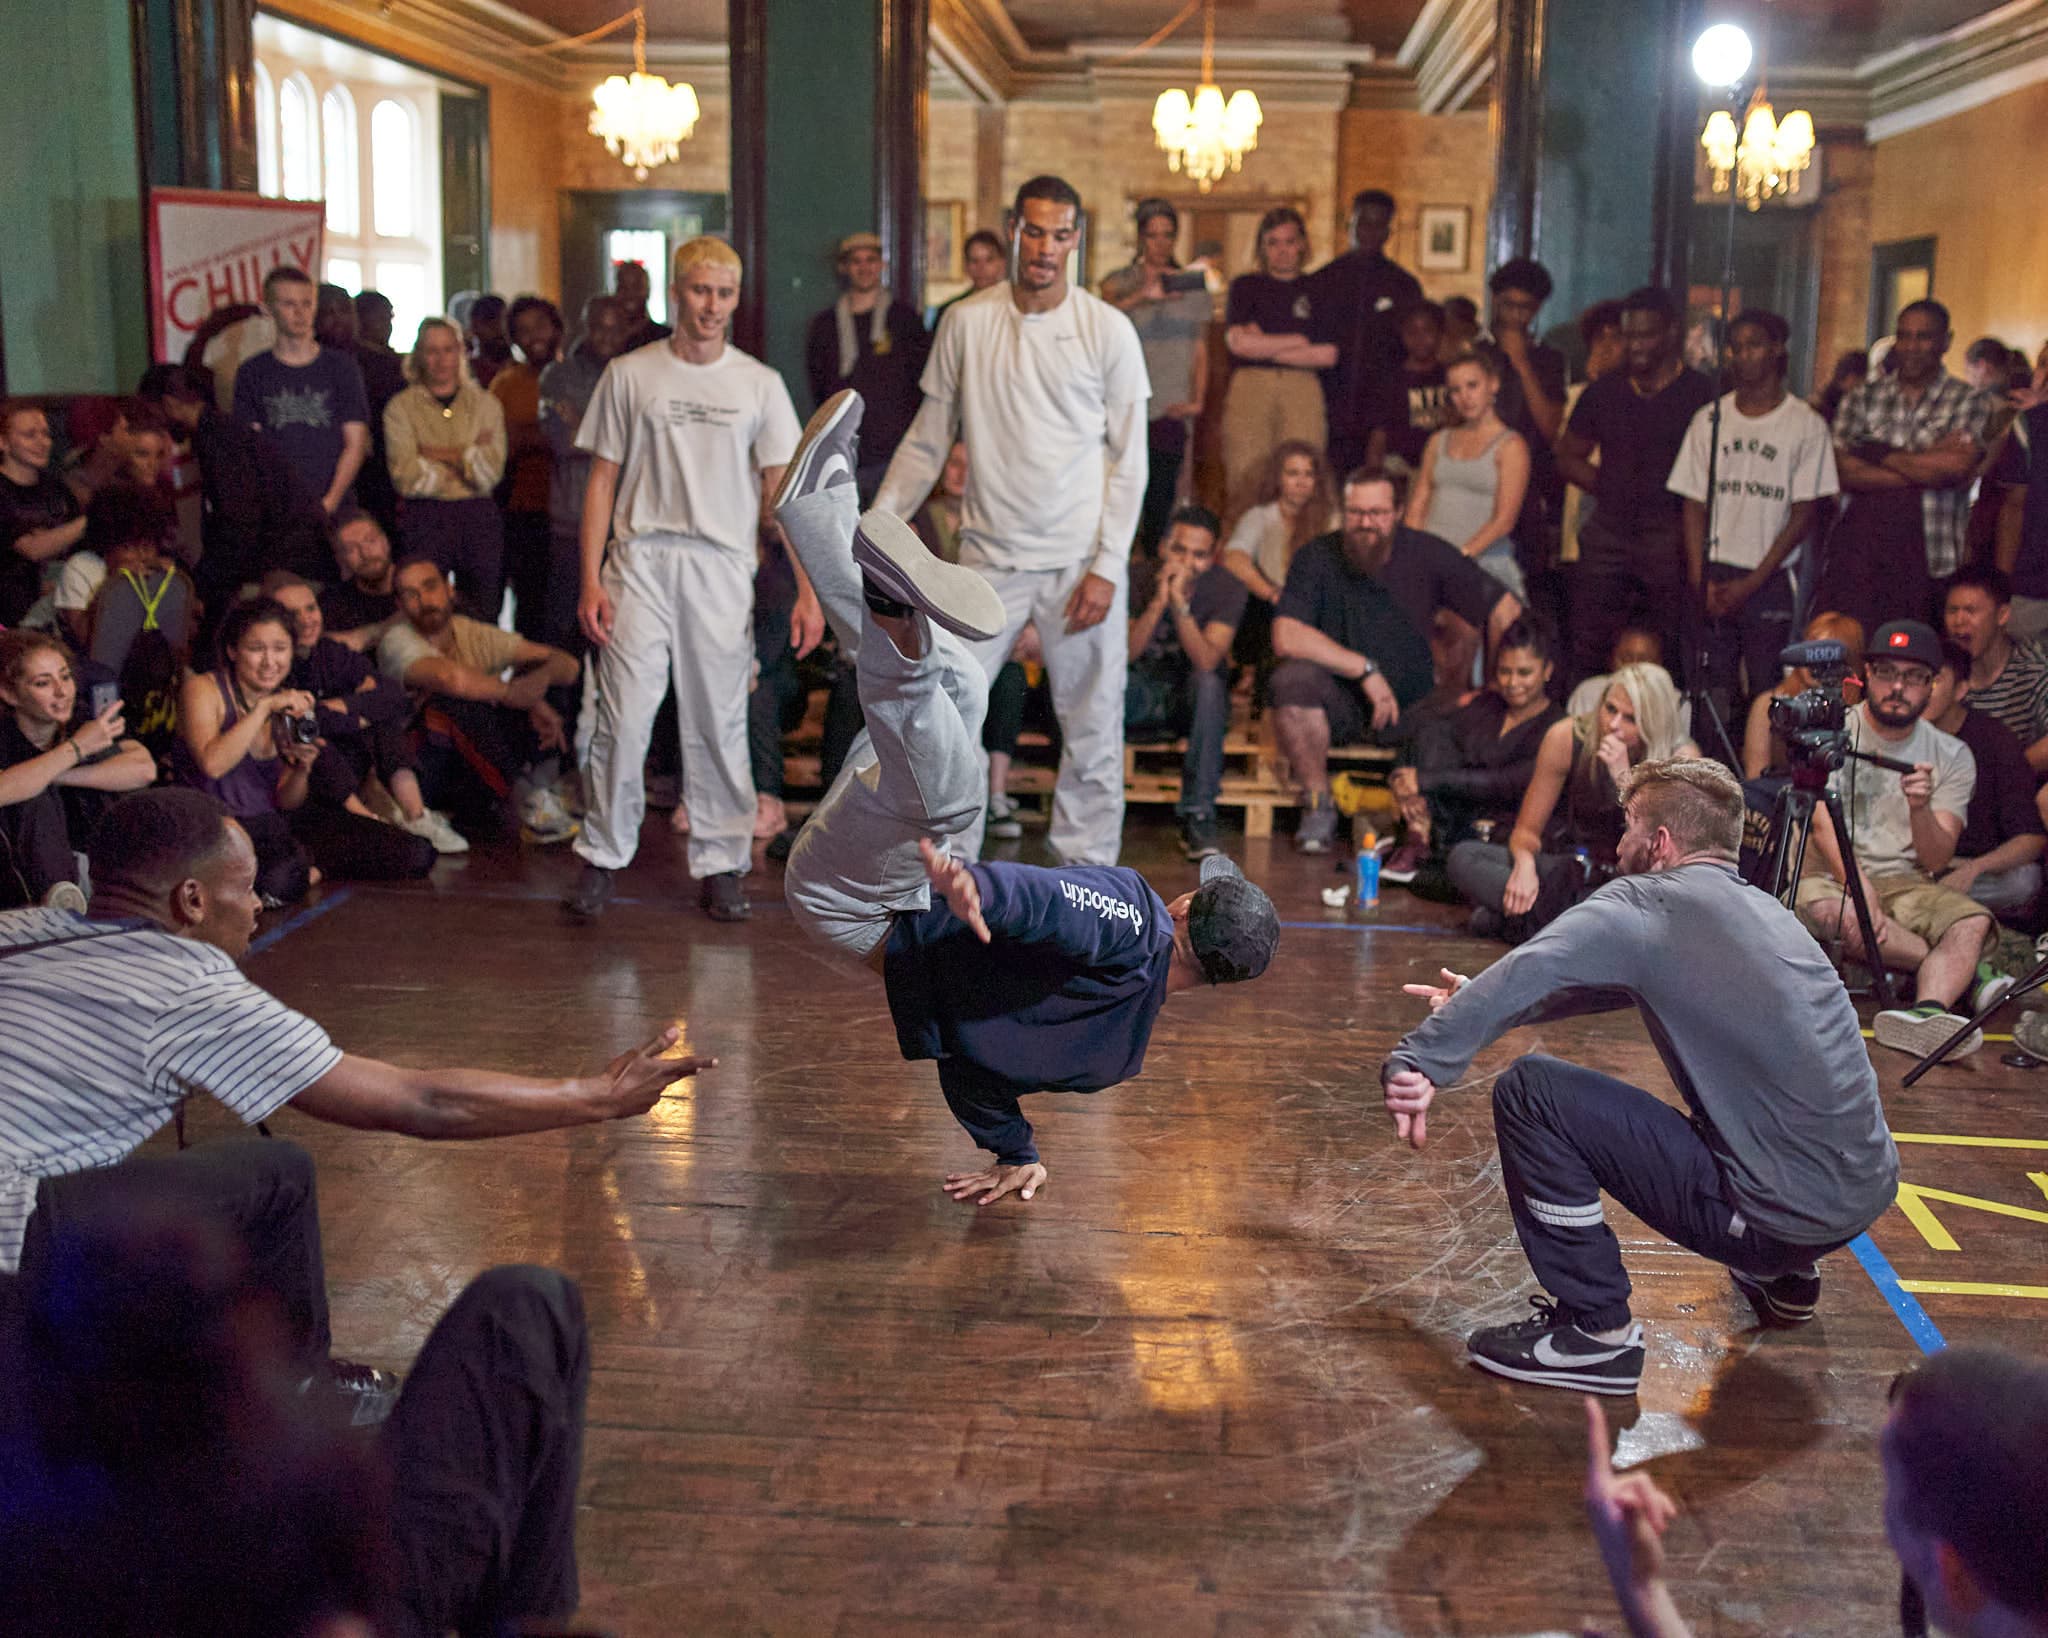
(251, 742)
(1905, 828)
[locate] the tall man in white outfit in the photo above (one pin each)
(1046, 384)
(685, 436)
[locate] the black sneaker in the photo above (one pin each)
(1556, 1353)
(1198, 837)
(593, 893)
(366, 1393)
(1784, 1302)
(724, 898)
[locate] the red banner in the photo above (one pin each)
(211, 250)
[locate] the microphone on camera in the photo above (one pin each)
(1815, 656)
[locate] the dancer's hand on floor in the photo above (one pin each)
(1408, 1094)
(1437, 996)
(995, 1180)
(954, 883)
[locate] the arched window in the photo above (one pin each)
(299, 139)
(338, 149)
(266, 133)
(394, 169)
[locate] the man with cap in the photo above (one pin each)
(1905, 828)
(873, 343)
(1015, 978)
(1780, 1153)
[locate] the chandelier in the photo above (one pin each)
(1206, 136)
(644, 120)
(1768, 157)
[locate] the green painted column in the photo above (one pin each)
(827, 138)
(72, 299)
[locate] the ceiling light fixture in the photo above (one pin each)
(1766, 156)
(644, 120)
(1205, 136)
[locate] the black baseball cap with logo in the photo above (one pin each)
(1906, 640)
(1232, 925)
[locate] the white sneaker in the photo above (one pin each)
(544, 820)
(1919, 1030)
(1003, 823)
(434, 826)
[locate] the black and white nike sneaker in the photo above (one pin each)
(1557, 1354)
(1781, 1303)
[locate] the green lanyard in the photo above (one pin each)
(149, 604)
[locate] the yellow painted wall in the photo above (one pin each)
(1970, 182)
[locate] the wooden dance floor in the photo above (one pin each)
(1210, 1382)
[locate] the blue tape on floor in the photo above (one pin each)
(1369, 927)
(291, 924)
(1919, 1324)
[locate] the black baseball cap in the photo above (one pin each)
(1906, 640)
(1232, 925)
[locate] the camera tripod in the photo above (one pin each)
(1793, 812)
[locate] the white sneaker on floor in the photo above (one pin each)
(544, 820)
(1919, 1030)
(1003, 823)
(434, 826)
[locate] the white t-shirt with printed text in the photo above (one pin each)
(691, 441)
(1768, 464)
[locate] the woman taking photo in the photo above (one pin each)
(444, 438)
(61, 764)
(1568, 831)
(1279, 345)
(248, 740)
(1296, 502)
(1473, 766)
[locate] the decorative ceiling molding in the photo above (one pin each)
(1449, 52)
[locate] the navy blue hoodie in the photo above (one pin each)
(1062, 999)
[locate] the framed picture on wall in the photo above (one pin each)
(1445, 238)
(945, 234)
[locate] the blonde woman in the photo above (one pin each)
(1568, 830)
(1279, 346)
(444, 439)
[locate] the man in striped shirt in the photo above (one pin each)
(2008, 676)
(109, 1019)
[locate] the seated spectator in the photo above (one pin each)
(168, 1479)
(61, 761)
(1997, 860)
(1762, 750)
(249, 740)
(123, 1014)
(445, 437)
(356, 609)
(1188, 606)
(363, 717)
(139, 622)
(40, 518)
(256, 514)
(1964, 1506)
(1474, 473)
(2008, 679)
(134, 517)
(136, 449)
(1415, 401)
(938, 521)
(1352, 635)
(489, 739)
(1633, 645)
(1905, 828)
(1294, 503)
(1567, 833)
(1472, 767)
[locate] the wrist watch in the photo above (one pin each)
(1371, 671)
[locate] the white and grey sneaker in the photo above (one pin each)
(434, 826)
(1003, 823)
(827, 453)
(1550, 1350)
(1919, 1030)
(899, 567)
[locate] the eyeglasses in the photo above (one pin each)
(1913, 676)
(1371, 514)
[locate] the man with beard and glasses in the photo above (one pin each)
(1780, 1154)
(1046, 385)
(1905, 828)
(1352, 633)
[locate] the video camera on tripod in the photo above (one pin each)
(1814, 723)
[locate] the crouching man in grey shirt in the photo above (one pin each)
(1781, 1153)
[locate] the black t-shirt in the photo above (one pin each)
(1544, 501)
(2002, 804)
(1363, 298)
(1217, 594)
(1414, 410)
(27, 509)
(1280, 307)
(1359, 611)
(344, 606)
(1638, 438)
(886, 378)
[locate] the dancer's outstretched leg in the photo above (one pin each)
(818, 506)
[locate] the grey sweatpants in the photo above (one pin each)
(916, 770)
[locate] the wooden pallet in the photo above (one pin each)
(1255, 774)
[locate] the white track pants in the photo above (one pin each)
(683, 610)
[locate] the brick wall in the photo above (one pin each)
(1848, 168)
